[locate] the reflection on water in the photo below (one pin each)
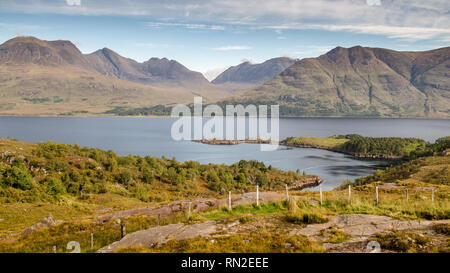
(151, 136)
(355, 170)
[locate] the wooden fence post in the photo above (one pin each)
(159, 217)
(92, 242)
(229, 200)
(432, 195)
(406, 194)
(287, 193)
(54, 249)
(376, 194)
(257, 195)
(349, 193)
(189, 210)
(123, 230)
(320, 193)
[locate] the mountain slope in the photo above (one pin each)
(254, 73)
(155, 71)
(361, 81)
(54, 77)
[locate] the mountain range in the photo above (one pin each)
(360, 81)
(40, 77)
(54, 77)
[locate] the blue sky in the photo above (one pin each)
(212, 35)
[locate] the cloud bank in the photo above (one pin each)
(398, 19)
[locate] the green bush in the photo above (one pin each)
(17, 177)
(55, 187)
(305, 218)
(123, 178)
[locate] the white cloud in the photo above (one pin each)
(229, 48)
(373, 2)
(404, 33)
(18, 33)
(73, 2)
(185, 25)
(245, 60)
(213, 73)
(400, 19)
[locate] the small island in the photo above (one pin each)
(215, 141)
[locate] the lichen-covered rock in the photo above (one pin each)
(47, 222)
(162, 234)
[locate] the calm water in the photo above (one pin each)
(151, 136)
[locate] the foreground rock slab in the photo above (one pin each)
(360, 227)
(162, 234)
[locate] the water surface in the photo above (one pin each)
(151, 136)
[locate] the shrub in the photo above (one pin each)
(401, 241)
(123, 178)
(305, 218)
(55, 187)
(17, 177)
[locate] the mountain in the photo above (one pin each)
(155, 71)
(54, 77)
(254, 73)
(360, 81)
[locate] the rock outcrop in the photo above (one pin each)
(47, 222)
(162, 234)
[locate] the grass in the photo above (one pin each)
(245, 210)
(303, 208)
(390, 204)
(79, 224)
(401, 241)
(442, 228)
(327, 142)
(18, 216)
(337, 236)
(42, 241)
(255, 243)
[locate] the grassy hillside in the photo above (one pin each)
(266, 227)
(77, 184)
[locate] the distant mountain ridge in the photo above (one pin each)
(104, 61)
(361, 81)
(249, 73)
(40, 77)
(55, 77)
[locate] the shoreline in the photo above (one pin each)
(307, 146)
(168, 116)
